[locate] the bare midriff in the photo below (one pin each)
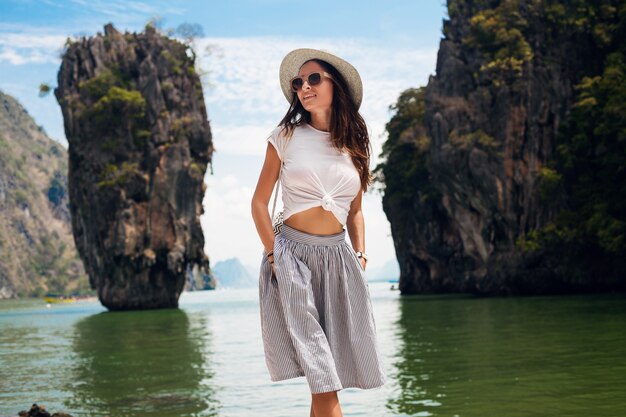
(315, 221)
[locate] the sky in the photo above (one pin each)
(393, 45)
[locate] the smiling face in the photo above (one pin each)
(319, 98)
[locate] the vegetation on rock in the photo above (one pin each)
(589, 173)
(507, 173)
(140, 143)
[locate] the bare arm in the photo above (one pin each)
(356, 226)
(262, 195)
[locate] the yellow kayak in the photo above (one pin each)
(51, 300)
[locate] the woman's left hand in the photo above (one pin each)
(363, 262)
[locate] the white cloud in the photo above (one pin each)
(33, 47)
(24, 44)
(227, 223)
(245, 71)
(240, 140)
(246, 99)
(32, 40)
(20, 57)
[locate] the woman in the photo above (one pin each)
(316, 313)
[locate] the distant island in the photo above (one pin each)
(231, 273)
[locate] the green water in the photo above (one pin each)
(444, 355)
(159, 354)
(541, 356)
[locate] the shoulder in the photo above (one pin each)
(278, 138)
(278, 130)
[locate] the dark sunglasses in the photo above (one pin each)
(313, 79)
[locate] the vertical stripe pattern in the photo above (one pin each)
(316, 314)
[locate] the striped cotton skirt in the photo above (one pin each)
(316, 314)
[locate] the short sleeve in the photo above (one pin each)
(277, 139)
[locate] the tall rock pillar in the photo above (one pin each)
(139, 145)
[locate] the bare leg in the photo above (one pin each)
(312, 412)
(326, 404)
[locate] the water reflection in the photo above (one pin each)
(451, 349)
(142, 363)
(470, 356)
(416, 395)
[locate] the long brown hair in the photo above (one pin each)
(347, 128)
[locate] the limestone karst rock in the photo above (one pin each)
(470, 178)
(139, 145)
(37, 251)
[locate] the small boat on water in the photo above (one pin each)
(58, 298)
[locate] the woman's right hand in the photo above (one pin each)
(271, 260)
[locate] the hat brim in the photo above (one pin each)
(292, 62)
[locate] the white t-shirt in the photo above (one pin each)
(315, 173)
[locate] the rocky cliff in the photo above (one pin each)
(139, 145)
(37, 252)
(505, 174)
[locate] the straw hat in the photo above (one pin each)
(292, 62)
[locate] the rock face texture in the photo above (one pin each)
(197, 279)
(37, 252)
(468, 172)
(139, 145)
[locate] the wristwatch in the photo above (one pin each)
(363, 255)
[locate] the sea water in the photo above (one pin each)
(450, 355)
